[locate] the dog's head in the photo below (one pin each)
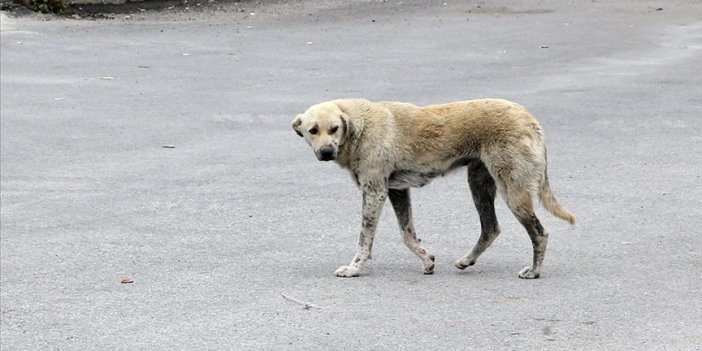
(325, 127)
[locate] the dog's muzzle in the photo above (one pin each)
(327, 153)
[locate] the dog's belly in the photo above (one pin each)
(404, 179)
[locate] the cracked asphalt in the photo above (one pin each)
(155, 197)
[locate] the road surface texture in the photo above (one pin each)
(155, 197)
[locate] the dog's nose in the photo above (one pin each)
(326, 154)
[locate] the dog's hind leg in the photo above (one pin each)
(483, 189)
(520, 202)
(400, 200)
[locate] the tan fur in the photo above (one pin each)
(393, 145)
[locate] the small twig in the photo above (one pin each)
(305, 305)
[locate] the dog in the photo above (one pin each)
(390, 147)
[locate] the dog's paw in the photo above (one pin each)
(347, 271)
(528, 273)
(429, 266)
(463, 263)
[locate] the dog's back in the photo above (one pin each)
(438, 137)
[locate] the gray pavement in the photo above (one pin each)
(213, 231)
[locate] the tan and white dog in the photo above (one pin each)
(390, 147)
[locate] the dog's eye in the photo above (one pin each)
(313, 131)
(334, 129)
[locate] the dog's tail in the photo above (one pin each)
(549, 201)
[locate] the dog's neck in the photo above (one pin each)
(345, 151)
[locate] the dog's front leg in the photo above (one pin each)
(400, 200)
(374, 195)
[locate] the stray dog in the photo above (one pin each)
(390, 147)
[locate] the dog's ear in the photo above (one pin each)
(296, 123)
(349, 127)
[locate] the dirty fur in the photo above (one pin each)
(390, 147)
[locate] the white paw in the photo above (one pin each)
(464, 263)
(429, 265)
(527, 273)
(347, 271)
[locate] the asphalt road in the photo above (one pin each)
(210, 231)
